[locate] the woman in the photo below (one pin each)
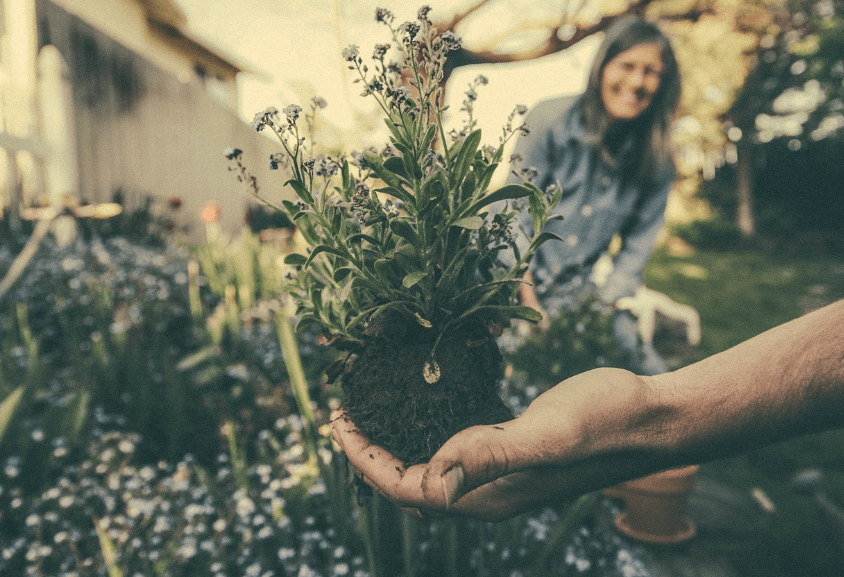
(609, 149)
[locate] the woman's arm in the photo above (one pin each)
(608, 425)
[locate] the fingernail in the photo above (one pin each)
(452, 481)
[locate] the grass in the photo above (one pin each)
(739, 295)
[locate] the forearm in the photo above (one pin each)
(785, 382)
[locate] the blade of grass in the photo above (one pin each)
(108, 550)
(8, 408)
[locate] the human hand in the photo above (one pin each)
(559, 448)
(423, 495)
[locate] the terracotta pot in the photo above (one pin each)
(653, 506)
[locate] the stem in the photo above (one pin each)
(298, 382)
(410, 539)
(565, 528)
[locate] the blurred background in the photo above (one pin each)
(159, 415)
(137, 99)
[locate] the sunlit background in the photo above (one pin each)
(160, 416)
(295, 50)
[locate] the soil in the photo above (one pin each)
(390, 402)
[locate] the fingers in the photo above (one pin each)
(476, 472)
(472, 458)
(378, 467)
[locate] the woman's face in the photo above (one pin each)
(630, 80)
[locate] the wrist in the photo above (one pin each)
(637, 427)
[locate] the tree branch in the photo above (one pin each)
(552, 42)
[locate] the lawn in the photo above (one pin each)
(738, 295)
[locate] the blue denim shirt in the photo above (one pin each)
(597, 202)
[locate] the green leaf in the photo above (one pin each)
(542, 239)
(465, 157)
(306, 320)
(413, 278)
(359, 236)
(469, 187)
(315, 294)
(486, 176)
(295, 259)
(536, 213)
(470, 222)
(375, 217)
(341, 273)
(508, 192)
(306, 227)
(347, 289)
(399, 193)
(8, 408)
(403, 149)
(409, 160)
(347, 180)
(394, 129)
(408, 257)
(396, 165)
(321, 249)
(432, 191)
(384, 268)
(374, 162)
(291, 208)
(336, 220)
(301, 191)
(429, 137)
(405, 230)
(358, 319)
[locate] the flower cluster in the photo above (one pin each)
(106, 498)
(176, 516)
(411, 229)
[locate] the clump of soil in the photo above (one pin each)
(390, 402)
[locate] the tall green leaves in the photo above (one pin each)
(408, 228)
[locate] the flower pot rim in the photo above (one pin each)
(688, 531)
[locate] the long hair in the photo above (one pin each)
(651, 130)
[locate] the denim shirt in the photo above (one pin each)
(597, 202)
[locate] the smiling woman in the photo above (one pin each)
(609, 150)
(631, 80)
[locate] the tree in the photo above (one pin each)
(794, 90)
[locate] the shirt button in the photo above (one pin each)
(606, 181)
(586, 210)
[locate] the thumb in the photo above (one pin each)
(473, 457)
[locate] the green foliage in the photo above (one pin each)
(708, 234)
(579, 338)
(114, 328)
(408, 230)
(794, 91)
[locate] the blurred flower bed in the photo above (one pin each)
(149, 425)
